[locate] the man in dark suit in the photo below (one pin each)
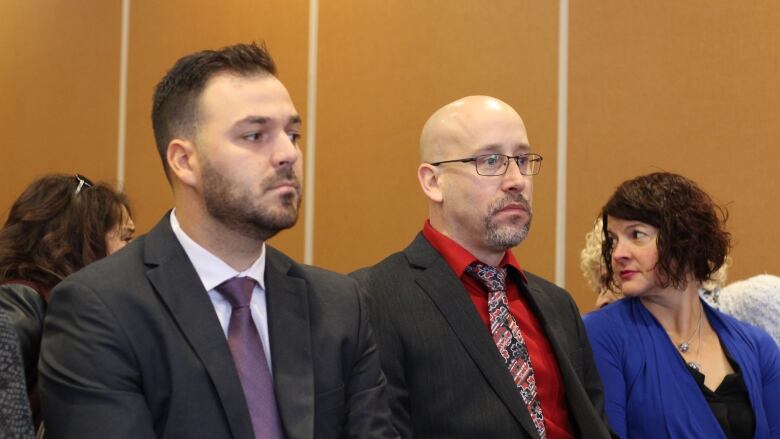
(199, 329)
(472, 345)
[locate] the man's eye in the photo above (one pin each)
(252, 136)
(522, 160)
(294, 137)
(492, 160)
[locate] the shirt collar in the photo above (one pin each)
(212, 270)
(457, 257)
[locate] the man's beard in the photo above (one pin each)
(507, 236)
(235, 205)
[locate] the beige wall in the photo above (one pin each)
(685, 87)
(59, 85)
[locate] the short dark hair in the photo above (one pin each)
(692, 239)
(175, 102)
(53, 230)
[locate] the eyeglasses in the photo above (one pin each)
(84, 183)
(497, 164)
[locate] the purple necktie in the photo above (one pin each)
(249, 357)
(509, 340)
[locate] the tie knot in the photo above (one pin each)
(494, 278)
(237, 291)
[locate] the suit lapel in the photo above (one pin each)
(545, 308)
(542, 306)
(178, 285)
(451, 298)
(291, 351)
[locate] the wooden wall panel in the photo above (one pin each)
(688, 87)
(59, 76)
(162, 32)
(384, 67)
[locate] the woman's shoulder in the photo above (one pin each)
(611, 323)
(616, 313)
(21, 294)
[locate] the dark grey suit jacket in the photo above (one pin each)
(445, 376)
(132, 348)
(25, 308)
(15, 417)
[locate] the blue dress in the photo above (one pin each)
(649, 392)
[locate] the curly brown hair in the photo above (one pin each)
(692, 240)
(54, 230)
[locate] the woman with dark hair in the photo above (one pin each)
(594, 271)
(59, 224)
(671, 365)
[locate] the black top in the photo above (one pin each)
(730, 402)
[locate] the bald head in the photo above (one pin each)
(457, 125)
(485, 213)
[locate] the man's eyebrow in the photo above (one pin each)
(493, 148)
(261, 120)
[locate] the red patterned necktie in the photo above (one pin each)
(509, 340)
(250, 360)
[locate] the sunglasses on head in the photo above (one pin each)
(84, 183)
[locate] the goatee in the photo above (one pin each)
(506, 236)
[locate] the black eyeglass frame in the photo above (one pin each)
(84, 183)
(532, 157)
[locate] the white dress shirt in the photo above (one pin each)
(212, 271)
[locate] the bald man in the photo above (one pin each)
(472, 345)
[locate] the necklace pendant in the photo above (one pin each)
(694, 365)
(683, 347)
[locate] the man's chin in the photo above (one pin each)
(510, 225)
(282, 208)
(263, 226)
(508, 236)
(281, 220)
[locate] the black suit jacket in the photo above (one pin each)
(132, 348)
(445, 376)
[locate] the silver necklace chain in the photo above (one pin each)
(685, 346)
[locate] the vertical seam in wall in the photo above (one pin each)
(563, 103)
(311, 130)
(122, 122)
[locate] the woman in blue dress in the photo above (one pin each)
(672, 366)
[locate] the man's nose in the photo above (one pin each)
(513, 178)
(286, 151)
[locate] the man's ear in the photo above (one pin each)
(183, 161)
(429, 178)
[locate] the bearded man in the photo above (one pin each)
(472, 345)
(199, 329)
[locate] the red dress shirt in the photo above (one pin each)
(549, 384)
